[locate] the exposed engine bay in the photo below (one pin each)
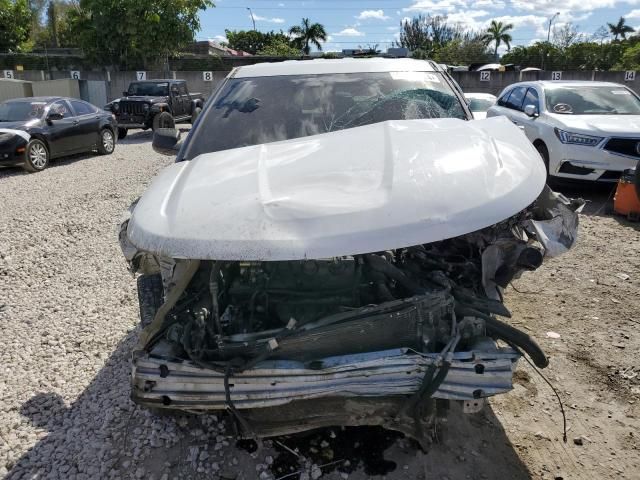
(372, 338)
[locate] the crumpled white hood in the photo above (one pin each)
(378, 187)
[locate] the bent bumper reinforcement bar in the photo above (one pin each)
(184, 385)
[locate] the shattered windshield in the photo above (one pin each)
(152, 89)
(21, 111)
(251, 111)
(587, 100)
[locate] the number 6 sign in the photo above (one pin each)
(75, 74)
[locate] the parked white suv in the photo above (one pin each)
(583, 130)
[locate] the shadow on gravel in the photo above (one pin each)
(57, 162)
(92, 437)
(83, 430)
(598, 196)
(136, 137)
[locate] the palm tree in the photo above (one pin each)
(620, 29)
(307, 33)
(497, 32)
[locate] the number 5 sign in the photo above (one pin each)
(485, 76)
(629, 75)
(141, 75)
(9, 74)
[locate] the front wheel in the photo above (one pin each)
(163, 120)
(107, 143)
(122, 132)
(37, 156)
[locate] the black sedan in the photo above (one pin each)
(35, 130)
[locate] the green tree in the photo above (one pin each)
(620, 29)
(278, 47)
(498, 33)
(134, 33)
(307, 33)
(56, 32)
(253, 42)
(432, 37)
(462, 51)
(15, 24)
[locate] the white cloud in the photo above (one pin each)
(372, 14)
(632, 14)
(349, 32)
(392, 29)
(429, 6)
(219, 39)
(258, 18)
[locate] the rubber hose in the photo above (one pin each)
(520, 339)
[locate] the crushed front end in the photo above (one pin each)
(382, 338)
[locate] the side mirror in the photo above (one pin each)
(531, 111)
(54, 116)
(165, 141)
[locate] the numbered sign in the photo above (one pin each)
(75, 74)
(9, 74)
(207, 76)
(629, 75)
(141, 75)
(485, 76)
(556, 75)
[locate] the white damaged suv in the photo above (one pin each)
(331, 247)
(583, 130)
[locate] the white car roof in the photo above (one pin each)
(484, 96)
(568, 83)
(342, 65)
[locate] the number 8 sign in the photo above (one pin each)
(207, 76)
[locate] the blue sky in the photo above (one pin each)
(351, 23)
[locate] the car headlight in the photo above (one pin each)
(577, 138)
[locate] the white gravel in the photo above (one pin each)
(68, 323)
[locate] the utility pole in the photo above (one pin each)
(550, 22)
(252, 19)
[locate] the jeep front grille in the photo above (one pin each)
(132, 108)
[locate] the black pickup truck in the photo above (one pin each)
(155, 104)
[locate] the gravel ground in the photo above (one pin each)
(68, 314)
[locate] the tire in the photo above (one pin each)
(107, 143)
(163, 120)
(122, 133)
(544, 153)
(36, 156)
(150, 297)
(195, 115)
